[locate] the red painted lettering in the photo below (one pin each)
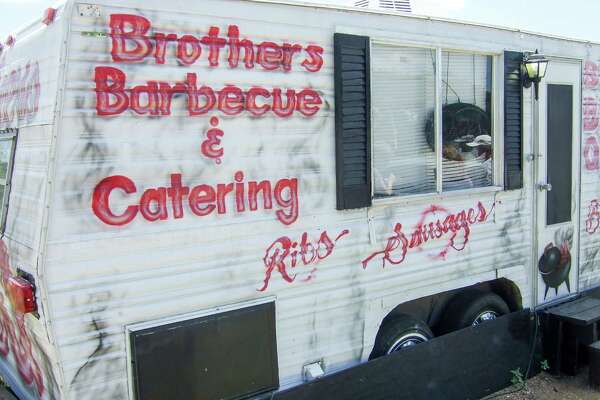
(20, 93)
(278, 107)
(239, 191)
(456, 228)
(214, 43)
(165, 96)
(188, 50)
(150, 93)
(222, 191)
(591, 154)
(590, 114)
(309, 102)
(132, 43)
(100, 200)
(126, 29)
(201, 200)
(288, 55)
(592, 222)
(282, 256)
(314, 62)
(248, 48)
(289, 202)
(158, 210)
(251, 106)
(155, 98)
(270, 55)
(233, 33)
(161, 40)
(176, 193)
(590, 75)
(211, 147)
(105, 90)
(231, 100)
(254, 188)
(194, 95)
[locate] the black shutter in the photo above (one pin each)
(352, 121)
(513, 117)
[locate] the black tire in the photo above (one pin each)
(399, 329)
(466, 308)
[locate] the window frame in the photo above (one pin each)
(496, 123)
(7, 135)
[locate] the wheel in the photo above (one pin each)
(399, 332)
(471, 308)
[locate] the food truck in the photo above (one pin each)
(227, 198)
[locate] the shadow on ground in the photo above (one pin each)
(547, 387)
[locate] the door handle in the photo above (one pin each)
(533, 156)
(544, 186)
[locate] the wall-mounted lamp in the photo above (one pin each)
(534, 69)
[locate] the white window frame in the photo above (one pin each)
(496, 126)
(7, 135)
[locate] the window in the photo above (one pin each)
(466, 121)
(415, 151)
(7, 140)
(402, 101)
(413, 121)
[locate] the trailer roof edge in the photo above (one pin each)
(33, 24)
(423, 17)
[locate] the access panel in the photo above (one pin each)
(230, 355)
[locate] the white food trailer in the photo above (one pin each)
(222, 198)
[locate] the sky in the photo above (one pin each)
(572, 18)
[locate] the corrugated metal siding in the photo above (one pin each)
(29, 75)
(29, 78)
(102, 278)
(589, 270)
(23, 230)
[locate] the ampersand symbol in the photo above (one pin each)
(211, 147)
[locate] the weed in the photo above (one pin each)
(517, 378)
(544, 365)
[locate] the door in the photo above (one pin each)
(557, 181)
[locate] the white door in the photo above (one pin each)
(557, 181)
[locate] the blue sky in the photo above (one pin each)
(574, 18)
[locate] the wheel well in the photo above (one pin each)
(430, 308)
(509, 292)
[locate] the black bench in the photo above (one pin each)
(571, 327)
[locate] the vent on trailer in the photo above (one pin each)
(396, 5)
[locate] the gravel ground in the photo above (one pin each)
(547, 387)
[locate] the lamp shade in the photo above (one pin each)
(536, 66)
